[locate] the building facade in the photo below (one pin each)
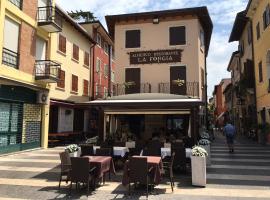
(25, 72)
(258, 13)
(103, 63)
(160, 78)
(72, 48)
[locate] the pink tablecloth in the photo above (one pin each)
(103, 164)
(152, 161)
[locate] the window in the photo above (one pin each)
(133, 39)
(178, 35)
(249, 34)
(75, 54)
(112, 77)
(260, 72)
(11, 41)
(105, 92)
(62, 43)
(85, 87)
(266, 17)
(98, 64)
(258, 30)
(242, 47)
(202, 38)
(61, 82)
(106, 48)
(86, 58)
(202, 78)
(99, 40)
(106, 70)
(74, 86)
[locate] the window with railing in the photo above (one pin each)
(10, 58)
(17, 3)
(49, 14)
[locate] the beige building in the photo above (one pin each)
(72, 48)
(161, 72)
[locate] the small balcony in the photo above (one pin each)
(17, 3)
(47, 71)
(49, 19)
(181, 88)
(10, 58)
(131, 88)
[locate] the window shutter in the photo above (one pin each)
(61, 82)
(86, 59)
(260, 72)
(74, 87)
(85, 87)
(264, 20)
(178, 35)
(133, 39)
(75, 52)
(62, 44)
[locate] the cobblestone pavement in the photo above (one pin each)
(242, 175)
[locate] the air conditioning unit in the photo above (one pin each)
(43, 97)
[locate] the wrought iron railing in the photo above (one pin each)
(47, 69)
(126, 88)
(189, 89)
(10, 58)
(17, 3)
(49, 14)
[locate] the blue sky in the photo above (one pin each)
(222, 13)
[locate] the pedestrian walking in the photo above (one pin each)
(229, 132)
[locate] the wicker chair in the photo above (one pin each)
(81, 172)
(138, 172)
(180, 158)
(87, 150)
(65, 167)
(168, 169)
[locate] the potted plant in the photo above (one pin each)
(74, 150)
(205, 143)
(198, 166)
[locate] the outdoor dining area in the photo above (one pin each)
(142, 164)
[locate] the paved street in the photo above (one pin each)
(242, 175)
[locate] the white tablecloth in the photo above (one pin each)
(167, 152)
(117, 151)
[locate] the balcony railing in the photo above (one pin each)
(17, 3)
(10, 58)
(47, 71)
(130, 88)
(50, 19)
(188, 89)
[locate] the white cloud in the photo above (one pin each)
(222, 13)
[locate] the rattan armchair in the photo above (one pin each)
(65, 167)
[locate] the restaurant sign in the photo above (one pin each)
(160, 56)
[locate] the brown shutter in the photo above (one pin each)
(133, 39)
(86, 59)
(178, 35)
(75, 52)
(74, 87)
(178, 83)
(133, 80)
(85, 87)
(62, 44)
(61, 82)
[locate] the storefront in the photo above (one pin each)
(141, 116)
(20, 119)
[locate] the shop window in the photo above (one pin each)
(62, 42)
(75, 54)
(133, 39)
(74, 87)
(178, 35)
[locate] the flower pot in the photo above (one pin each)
(208, 150)
(76, 153)
(198, 170)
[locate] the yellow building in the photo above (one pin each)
(25, 72)
(259, 13)
(72, 48)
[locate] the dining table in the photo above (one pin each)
(103, 165)
(153, 162)
(167, 152)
